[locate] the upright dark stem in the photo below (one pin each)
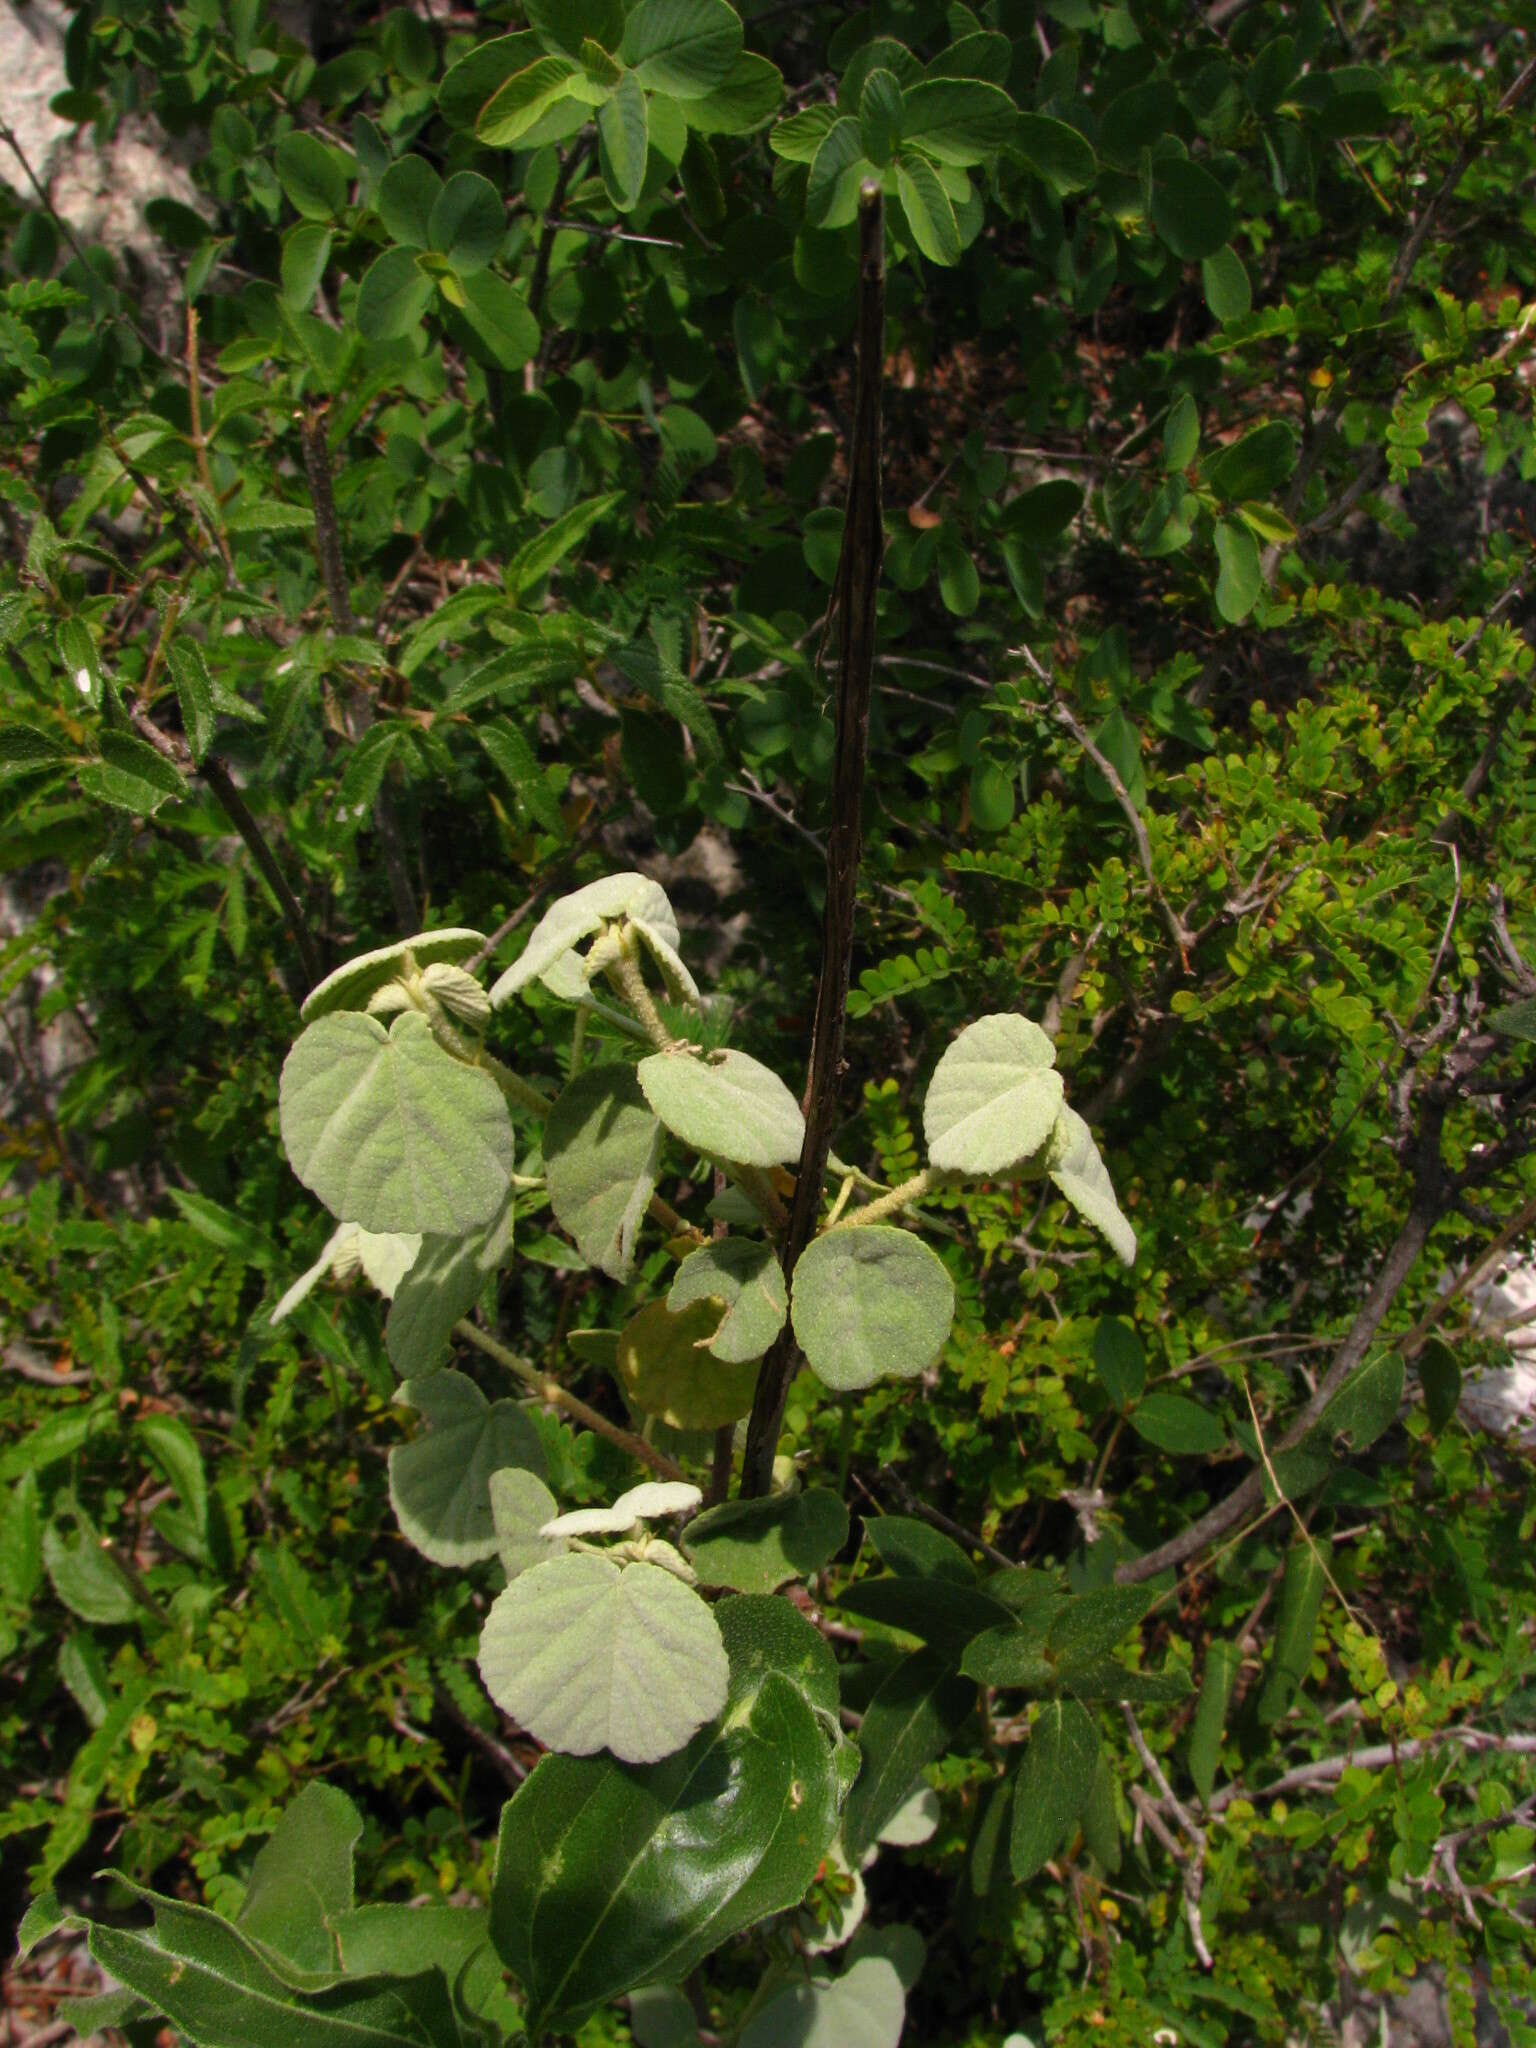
(858, 577)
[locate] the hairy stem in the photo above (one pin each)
(897, 1199)
(858, 578)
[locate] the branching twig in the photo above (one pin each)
(858, 577)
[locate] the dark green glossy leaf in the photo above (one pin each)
(1301, 1600)
(610, 1875)
(914, 1714)
(1190, 210)
(1223, 1661)
(1440, 1379)
(756, 1546)
(394, 294)
(1119, 1360)
(1055, 1779)
(623, 141)
(1175, 1423)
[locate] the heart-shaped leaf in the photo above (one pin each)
(756, 1546)
(587, 1655)
(994, 1097)
(439, 1483)
(870, 1303)
(392, 1132)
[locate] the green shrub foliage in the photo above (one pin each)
(416, 735)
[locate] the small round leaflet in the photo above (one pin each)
(588, 1656)
(731, 1107)
(665, 1366)
(870, 1303)
(994, 1096)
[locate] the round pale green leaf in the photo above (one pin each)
(683, 47)
(1073, 1163)
(521, 1505)
(577, 916)
(444, 1282)
(756, 1546)
(602, 1146)
(467, 222)
(350, 987)
(1227, 290)
(915, 1821)
(407, 193)
(394, 294)
(587, 1656)
(994, 1097)
(730, 1107)
(744, 1277)
(665, 1365)
(1190, 210)
(392, 1132)
(870, 1303)
(623, 141)
(440, 1482)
